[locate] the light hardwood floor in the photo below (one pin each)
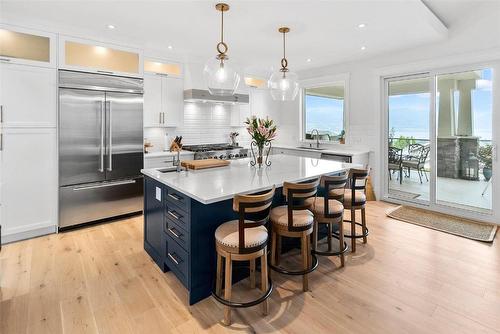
(407, 279)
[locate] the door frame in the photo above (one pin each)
(490, 215)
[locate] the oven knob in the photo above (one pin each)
(215, 157)
(236, 155)
(221, 156)
(231, 156)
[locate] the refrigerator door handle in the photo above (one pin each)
(101, 162)
(110, 137)
(104, 185)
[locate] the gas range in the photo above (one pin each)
(217, 151)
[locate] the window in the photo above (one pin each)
(324, 112)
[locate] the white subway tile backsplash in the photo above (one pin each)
(204, 123)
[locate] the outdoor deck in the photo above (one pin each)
(455, 191)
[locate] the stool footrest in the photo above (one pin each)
(344, 250)
(298, 272)
(356, 236)
(246, 304)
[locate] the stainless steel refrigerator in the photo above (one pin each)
(100, 147)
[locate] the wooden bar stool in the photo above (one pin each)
(296, 221)
(329, 211)
(244, 240)
(354, 198)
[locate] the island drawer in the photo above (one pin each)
(177, 198)
(176, 232)
(177, 260)
(178, 216)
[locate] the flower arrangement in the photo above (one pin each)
(262, 131)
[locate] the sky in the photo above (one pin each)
(409, 114)
(324, 114)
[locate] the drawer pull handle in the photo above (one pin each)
(175, 234)
(176, 197)
(173, 258)
(171, 213)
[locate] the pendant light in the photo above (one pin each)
(283, 84)
(221, 78)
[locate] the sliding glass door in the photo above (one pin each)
(440, 143)
(409, 108)
(464, 139)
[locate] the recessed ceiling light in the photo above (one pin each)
(363, 48)
(309, 60)
(170, 47)
(110, 26)
(361, 25)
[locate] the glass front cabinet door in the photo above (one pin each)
(90, 56)
(23, 46)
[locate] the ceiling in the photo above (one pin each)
(326, 32)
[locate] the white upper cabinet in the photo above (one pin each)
(153, 111)
(163, 94)
(91, 56)
(173, 103)
(26, 46)
(28, 96)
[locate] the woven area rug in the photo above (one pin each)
(403, 194)
(445, 223)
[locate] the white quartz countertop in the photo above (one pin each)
(165, 154)
(217, 184)
(349, 151)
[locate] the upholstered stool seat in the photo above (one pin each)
(317, 206)
(279, 216)
(359, 197)
(227, 235)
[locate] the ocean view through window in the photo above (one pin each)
(451, 164)
(324, 111)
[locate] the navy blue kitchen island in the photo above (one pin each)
(182, 211)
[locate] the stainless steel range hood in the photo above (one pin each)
(204, 96)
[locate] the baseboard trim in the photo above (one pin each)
(33, 233)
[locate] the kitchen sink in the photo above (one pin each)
(311, 148)
(167, 169)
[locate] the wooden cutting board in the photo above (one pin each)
(202, 164)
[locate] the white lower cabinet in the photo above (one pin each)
(28, 183)
(159, 161)
(299, 153)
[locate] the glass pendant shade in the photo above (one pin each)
(221, 77)
(283, 86)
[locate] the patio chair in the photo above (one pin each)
(416, 159)
(395, 162)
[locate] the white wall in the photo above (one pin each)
(474, 40)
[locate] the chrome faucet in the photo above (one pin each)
(177, 162)
(317, 137)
